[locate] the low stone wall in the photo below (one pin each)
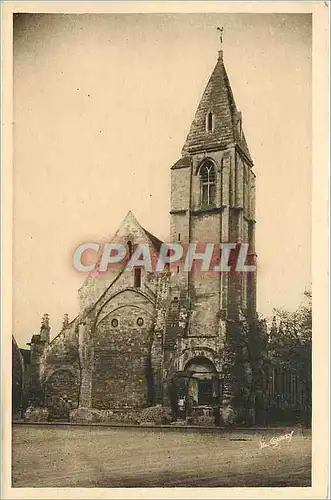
(155, 415)
(90, 415)
(203, 421)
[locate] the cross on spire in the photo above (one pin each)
(221, 35)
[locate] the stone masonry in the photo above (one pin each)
(133, 336)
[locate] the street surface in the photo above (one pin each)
(68, 456)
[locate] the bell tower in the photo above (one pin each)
(213, 201)
(211, 317)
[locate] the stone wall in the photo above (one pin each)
(61, 393)
(60, 352)
(59, 367)
(122, 374)
(17, 379)
(98, 286)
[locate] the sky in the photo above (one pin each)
(102, 105)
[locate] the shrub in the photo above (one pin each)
(90, 415)
(228, 415)
(58, 408)
(157, 415)
(36, 414)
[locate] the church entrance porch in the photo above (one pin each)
(196, 393)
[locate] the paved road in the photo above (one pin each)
(61, 456)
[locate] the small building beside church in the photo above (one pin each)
(171, 338)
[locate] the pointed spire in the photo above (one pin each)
(217, 106)
(65, 322)
(45, 328)
(45, 321)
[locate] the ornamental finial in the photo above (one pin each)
(221, 35)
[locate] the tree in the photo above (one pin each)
(290, 338)
(290, 356)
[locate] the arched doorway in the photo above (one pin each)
(203, 382)
(196, 390)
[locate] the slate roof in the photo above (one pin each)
(183, 162)
(218, 99)
(154, 240)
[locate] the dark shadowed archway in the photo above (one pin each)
(203, 384)
(197, 386)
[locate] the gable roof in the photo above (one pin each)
(184, 162)
(217, 99)
(131, 225)
(154, 240)
(129, 228)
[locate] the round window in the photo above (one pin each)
(140, 321)
(114, 323)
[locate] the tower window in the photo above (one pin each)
(129, 243)
(137, 277)
(209, 122)
(208, 183)
(245, 188)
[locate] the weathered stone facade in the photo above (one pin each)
(17, 379)
(133, 337)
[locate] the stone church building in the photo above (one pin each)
(145, 338)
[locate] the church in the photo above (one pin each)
(143, 339)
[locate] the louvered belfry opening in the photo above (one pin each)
(210, 122)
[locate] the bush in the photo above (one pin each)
(59, 408)
(228, 415)
(36, 414)
(90, 415)
(157, 415)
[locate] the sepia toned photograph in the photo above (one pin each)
(162, 284)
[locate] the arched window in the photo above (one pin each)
(129, 243)
(208, 183)
(209, 122)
